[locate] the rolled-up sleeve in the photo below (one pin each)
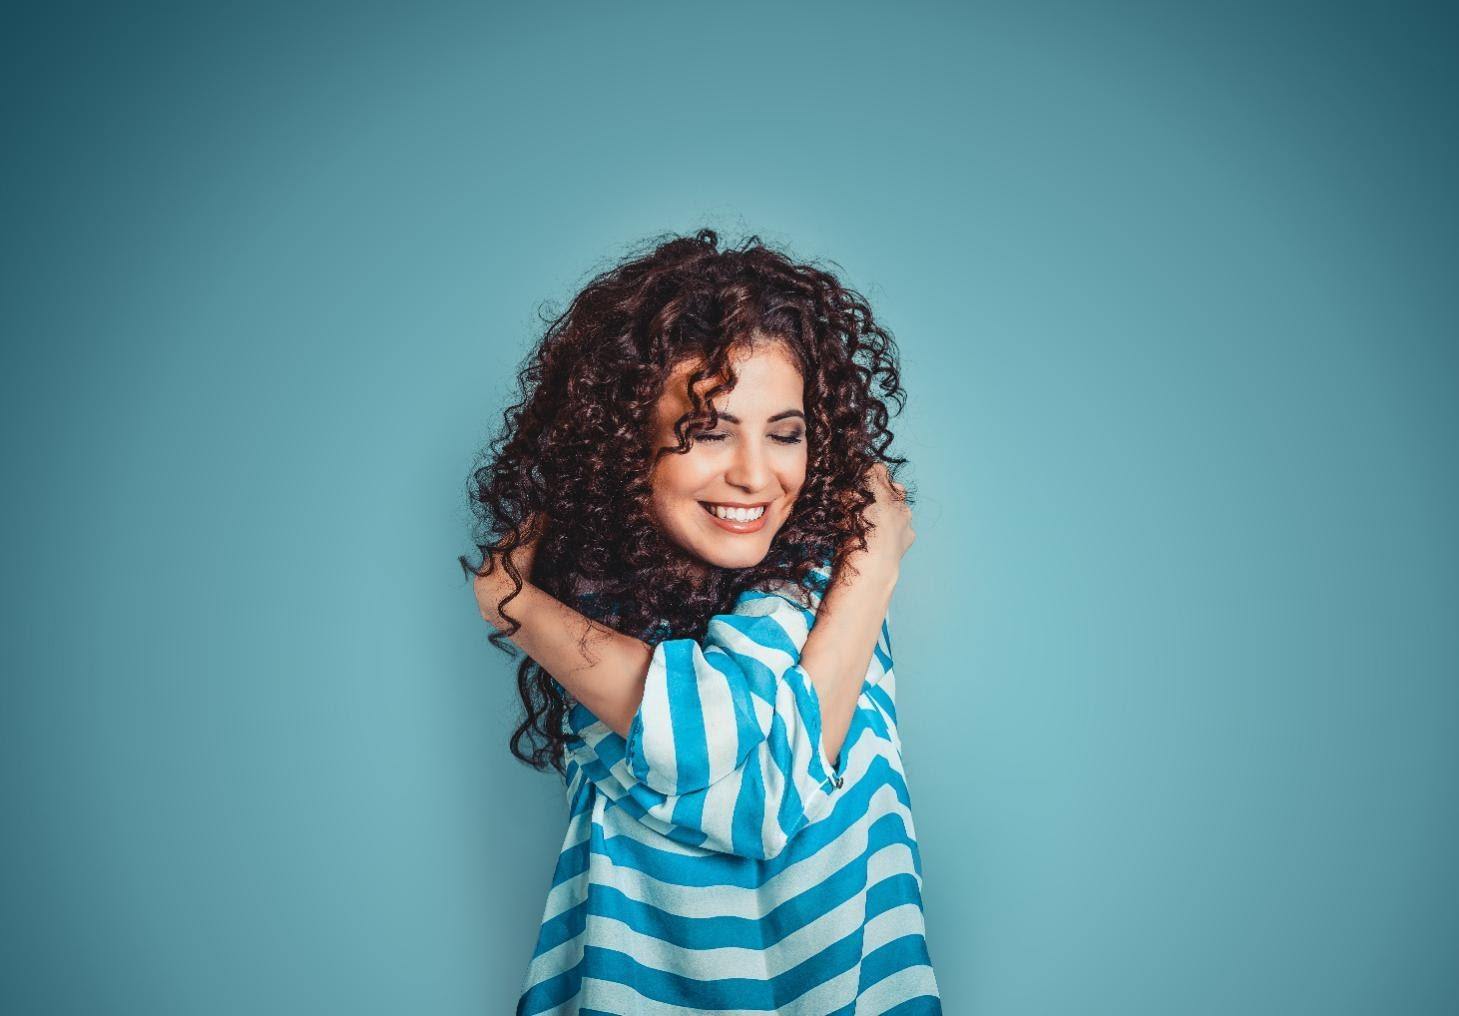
(725, 750)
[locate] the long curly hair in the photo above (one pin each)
(574, 451)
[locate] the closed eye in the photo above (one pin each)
(786, 439)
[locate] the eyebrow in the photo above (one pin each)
(782, 415)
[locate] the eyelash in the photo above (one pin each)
(791, 439)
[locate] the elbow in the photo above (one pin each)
(769, 839)
(773, 847)
(740, 841)
(756, 848)
(785, 813)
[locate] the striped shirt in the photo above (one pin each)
(717, 861)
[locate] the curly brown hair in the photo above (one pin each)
(573, 457)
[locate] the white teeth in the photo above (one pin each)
(738, 514)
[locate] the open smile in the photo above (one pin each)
(737, 517)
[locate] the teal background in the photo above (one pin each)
(1175, 290)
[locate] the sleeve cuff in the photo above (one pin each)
(820, 767)
(695, 725)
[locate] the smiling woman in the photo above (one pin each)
(727, 497)
(690, 528)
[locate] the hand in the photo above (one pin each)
(491, 589)
(892, 518)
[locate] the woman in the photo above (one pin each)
(688, 528)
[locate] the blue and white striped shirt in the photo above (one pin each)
(717, 861)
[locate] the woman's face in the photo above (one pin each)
(755, 460)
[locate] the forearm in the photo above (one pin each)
(609, 681)
(838, 651)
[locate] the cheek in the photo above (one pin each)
(679, 476)
(793, 473)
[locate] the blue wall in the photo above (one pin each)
(1174, 286)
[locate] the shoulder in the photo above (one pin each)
(805, 596)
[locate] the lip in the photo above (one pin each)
(738, 527)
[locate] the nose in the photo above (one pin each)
(749, 471)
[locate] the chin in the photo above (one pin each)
(746, 555)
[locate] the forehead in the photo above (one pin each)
(769, 381)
